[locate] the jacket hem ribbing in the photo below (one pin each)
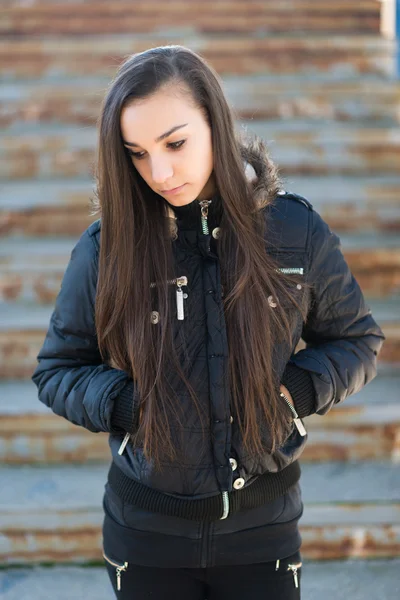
(265, 488)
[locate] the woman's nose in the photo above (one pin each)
(161, 171)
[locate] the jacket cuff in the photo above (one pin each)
(125, 410)
(300, 385)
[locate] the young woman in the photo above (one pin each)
(175, 331)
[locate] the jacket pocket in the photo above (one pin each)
(291, 450)
(296, 419)
(120, 567)
(180, 296)
(294, 444)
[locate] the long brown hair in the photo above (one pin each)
(136, 250)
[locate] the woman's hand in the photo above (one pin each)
(285, 391)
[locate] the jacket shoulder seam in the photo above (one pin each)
(94, 227)
(293, 196)
(92, 230)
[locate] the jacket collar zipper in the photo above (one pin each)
(204, 215)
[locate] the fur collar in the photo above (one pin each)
(260, 171)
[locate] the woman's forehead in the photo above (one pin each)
(151, 118)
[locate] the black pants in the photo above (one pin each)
(250, 582)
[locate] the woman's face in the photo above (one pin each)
(171, 144)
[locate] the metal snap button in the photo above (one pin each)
(155, 317)
(216, 233)
(233, 464)
(238, 483)
(231, 419)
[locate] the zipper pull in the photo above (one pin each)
(225, 505)
(179, 297)
(293, 568)
(124, 443)
(300, 427)
(204, 214)
(118, 579)
(118, 569)
(297, 421)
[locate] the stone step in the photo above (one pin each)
(367, 205)
(332, 149)
(203, 16)
(356, 100)
(303, 150)
(55, 513)
(332, 57)
(359, 580)
(32, 434)
(24, 104)
(31, 268)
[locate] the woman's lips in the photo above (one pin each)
(174, 190)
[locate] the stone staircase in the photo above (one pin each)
(316, 80)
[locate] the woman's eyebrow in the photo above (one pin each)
(161, 137)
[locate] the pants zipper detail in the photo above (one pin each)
(119, 569)
(294, 569)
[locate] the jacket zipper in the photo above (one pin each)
(204, 214)
(204, 226)
(292, 270)
(119, 570)
(179, 282)
(225, 505)
(124, 443)
(297, 421)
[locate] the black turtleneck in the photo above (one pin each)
(189, 215)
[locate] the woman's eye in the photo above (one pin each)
(176, 145)
(172, 145)
(135, 154)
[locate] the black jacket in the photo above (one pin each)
(343, 342)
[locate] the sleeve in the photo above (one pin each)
(342, 339)
(71, 377)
